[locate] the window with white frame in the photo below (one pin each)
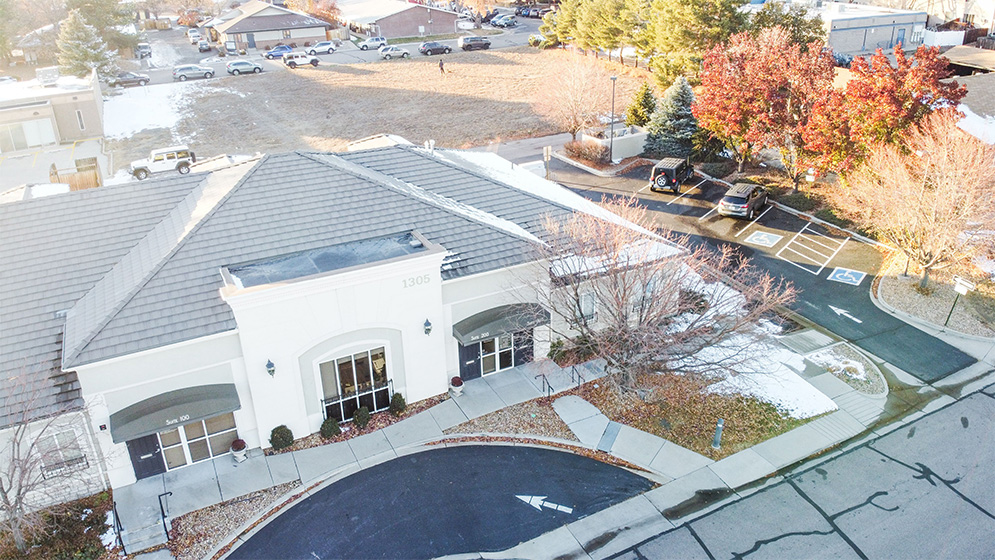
(286, 33)
(588, 304)
(61, 452)
(198, 441)
(79, 119)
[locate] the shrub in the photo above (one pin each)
(799, 201)
(281, 437)
(829, 215)
(535, 40)
(307, 43)
(587, 151)
(718, 169)
(456, 381)
(397, 404)
(330, 428)
(267, 48)
(556, 351)
(238, 445)
(362, 417)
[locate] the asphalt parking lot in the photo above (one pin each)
(831, 269)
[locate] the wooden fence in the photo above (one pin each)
(86, 175)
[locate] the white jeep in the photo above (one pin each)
(295, 59)
(163, 159)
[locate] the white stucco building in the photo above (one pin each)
(188, 310)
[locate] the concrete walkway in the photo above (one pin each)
(682, 473)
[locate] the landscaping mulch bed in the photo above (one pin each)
(378, 421)
(535, 417)
(973, 314)
(851, 367)
(195, 534)
(73, 530)
(678, 409)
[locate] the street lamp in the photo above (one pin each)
(611, 137)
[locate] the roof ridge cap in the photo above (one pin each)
(425, 196)
(92, 312)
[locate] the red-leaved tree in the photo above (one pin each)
(759, 92)
(880, 103)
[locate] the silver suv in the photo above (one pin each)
(182, 73)
(743, 200)
(372, 43)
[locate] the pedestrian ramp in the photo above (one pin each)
(806, 341)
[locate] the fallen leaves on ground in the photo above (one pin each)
(535, 417)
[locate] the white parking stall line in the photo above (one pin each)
(644, 188)
(787, 247)
(754, 221)
(685, 193)
(832, 256)
(706, 214)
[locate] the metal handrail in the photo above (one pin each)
(574, 372)
(546, 386)
(162, 511)
(118, 528)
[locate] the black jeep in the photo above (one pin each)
(671, 173)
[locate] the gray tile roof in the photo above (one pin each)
(255, 23)
(52, 251)
(980, 93)
(140, 273)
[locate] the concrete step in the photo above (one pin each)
(838, 426)
(140, 538)
(806, 341)
(863, 408)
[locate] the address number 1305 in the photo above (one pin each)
(416, 281)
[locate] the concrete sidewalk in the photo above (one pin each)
(681, 472)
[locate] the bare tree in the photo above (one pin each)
(578, 95)
(325, 10)
(650, 302)
(933, 197)
(43, 461)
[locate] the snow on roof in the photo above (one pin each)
(369, 11)
(33, 89)
(27, 192)
(981, 127)
(643, 251)
(522, 179)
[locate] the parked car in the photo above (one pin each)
(433, 47)
(670, 173)
(488, 16)
(542, 13)
(8, 80)
(278, 51)
(324, 47)
(143, 50)
(295, 59)
(473, 42)
(504, 21)
(520, 10)
(534, 12)
(237, 67)
(372, 43)
(203, 46)
(194, 36)
(163, 159)
(743, 200)
(187, 71)
(389, 52)
(128, 79)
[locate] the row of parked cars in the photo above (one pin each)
(532, 11)
(742, 200)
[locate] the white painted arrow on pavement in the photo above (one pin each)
(845, 313)
(540, 502)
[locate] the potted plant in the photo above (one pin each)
(238, 450)
(456, 386)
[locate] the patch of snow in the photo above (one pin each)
(979, 126)
(986, 265)
(833, 362)
(122, 176)
(776, 382)
(138, 109)
(109, 538)
(770, 327)
(164, 55)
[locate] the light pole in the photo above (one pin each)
(611, 136)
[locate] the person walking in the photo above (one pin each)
(442, 66)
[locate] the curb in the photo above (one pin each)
(593, 171)
(922, 323)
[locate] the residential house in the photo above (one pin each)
(396, 18)
(189, 310)
(41, 112)
(257, 24)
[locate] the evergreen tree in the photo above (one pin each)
(683, 30)
(81, 49)
(643, 104)
(104, 15)
(673, 126)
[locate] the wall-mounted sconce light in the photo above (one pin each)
(270, 368)
(428, 327)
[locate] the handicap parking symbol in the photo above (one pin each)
(847, 276)
(764, 239)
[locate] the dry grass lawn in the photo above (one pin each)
(485, 96)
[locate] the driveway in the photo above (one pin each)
(453, 500)
(832, 271)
